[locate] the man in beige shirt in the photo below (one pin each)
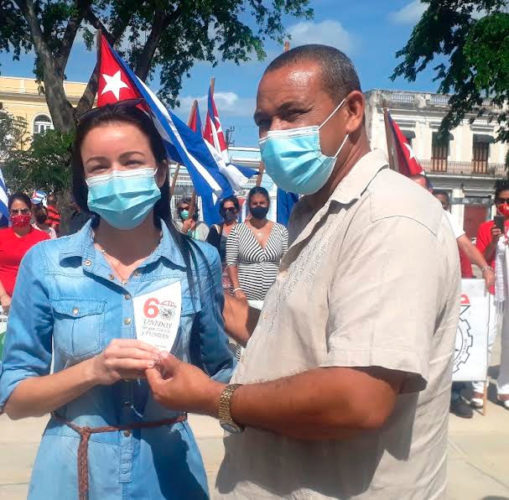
(345, 381)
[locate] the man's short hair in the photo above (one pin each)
(338, 73)
(441, 192)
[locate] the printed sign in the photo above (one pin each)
(471, 349)
(157, 316)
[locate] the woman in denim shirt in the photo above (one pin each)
(74, 305)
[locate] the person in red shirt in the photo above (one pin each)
(489, 238)
(15, 241)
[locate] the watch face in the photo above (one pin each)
(231, 427)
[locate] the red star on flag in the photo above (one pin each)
(114, 84)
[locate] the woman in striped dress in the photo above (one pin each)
(255, 248)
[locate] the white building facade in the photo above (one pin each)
(466, 165)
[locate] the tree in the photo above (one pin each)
(168, 35)
(471, 39)
(13, 134)
(45, 165)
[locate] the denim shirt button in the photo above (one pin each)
(127, 433)
(87, 262)
(75, 311)
(111, 277)
(127, 321)
(127, 296)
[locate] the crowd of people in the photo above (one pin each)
(121, 328)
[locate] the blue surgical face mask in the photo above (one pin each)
(184, 214)
(294, 160)
(123, 198)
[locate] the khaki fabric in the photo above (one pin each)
(371, 279)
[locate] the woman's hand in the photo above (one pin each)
(125, 359)
(5, 301)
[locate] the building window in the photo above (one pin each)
(42, 123)
(480, 153)
(439, 153)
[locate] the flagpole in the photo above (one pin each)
(261, 168)
(177, 169)
(388, 135)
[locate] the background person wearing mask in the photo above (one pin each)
(15, 241)
(195, 229)
(493, 243)
(254, 249)
(458, 406)
(40, 220)
(229, 210)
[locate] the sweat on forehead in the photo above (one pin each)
(338, 74)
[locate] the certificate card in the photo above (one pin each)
(157, 316)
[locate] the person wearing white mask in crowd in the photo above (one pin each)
(343, 389)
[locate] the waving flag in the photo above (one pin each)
(117, 83)
(285, 203)
(195, 120)
(214, 138)
(213, 132)
(403, 154)
(4, 211)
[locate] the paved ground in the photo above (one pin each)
(478, 453)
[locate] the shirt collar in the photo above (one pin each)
(359, 177)
(80, 245)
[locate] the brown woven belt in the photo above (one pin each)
(86, 432)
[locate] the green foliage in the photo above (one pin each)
(168, 37)
(470, 39)
(45, 165)
(13, 134)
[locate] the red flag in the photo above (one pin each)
(114, 84)
(407, 162)
(213, 132)
(194, 119)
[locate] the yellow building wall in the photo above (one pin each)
(21, 97)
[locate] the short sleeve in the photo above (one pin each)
(383, 299)
(27, 350)
(232, 247)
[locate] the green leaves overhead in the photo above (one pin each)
(469, 41)
(152, 35)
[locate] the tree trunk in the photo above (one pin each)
(59, 107)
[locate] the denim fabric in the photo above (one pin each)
(67, 307)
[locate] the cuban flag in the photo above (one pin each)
(4, 199)
(407, 162)
(117, 83)
(215, 140)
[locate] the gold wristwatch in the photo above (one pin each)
(225, 418)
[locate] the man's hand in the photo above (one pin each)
(184, 387)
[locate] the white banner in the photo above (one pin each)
(471, 350)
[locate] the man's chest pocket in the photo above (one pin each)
(78, 327)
